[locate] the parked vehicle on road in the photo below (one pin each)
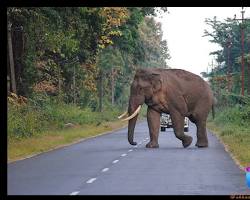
(167, 123)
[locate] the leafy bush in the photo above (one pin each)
(42, 113)
(226, 99)
(24, 121)
(238, 115)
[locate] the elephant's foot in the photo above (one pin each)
(187, 141)
(201, 144)
(152, 145)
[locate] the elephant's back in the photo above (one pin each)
(183, 78)
(188, 84)
(183, 74)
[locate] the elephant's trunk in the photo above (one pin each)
(131, 126)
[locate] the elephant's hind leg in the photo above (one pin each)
(200, 116)
(202, 140)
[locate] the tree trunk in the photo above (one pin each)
(11, 60)
(100, 91)
(74, 86)
(229, 77)
(112, 87)
(8, 83)
(60, 82)
(248, 87)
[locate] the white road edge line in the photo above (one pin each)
(74, 193)
(91, 180)
(105, 169)
(123, 154)
(115, 161)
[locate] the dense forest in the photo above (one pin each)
(82, 55)
(67, 64)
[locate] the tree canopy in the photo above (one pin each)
(227, 73)
(84, 55)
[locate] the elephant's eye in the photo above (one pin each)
(140, 91)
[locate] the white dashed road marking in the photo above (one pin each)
(105, 169)
(74, 193)
(91, 180)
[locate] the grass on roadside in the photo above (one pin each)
(18, 149)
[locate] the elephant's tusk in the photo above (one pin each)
(124, 114)
(134, 114)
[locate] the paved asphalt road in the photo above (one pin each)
(108, 165)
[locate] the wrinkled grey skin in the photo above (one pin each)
(174, 91)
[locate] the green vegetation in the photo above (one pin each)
(33, 118)
(232, 121)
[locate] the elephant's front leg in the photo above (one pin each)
(178, 125)
(153, 118)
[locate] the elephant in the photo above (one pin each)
(173, 91)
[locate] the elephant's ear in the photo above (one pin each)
(156, 82)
